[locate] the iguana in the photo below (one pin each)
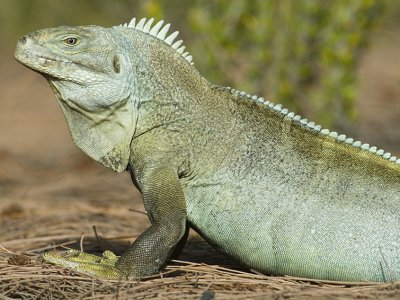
(263, 185)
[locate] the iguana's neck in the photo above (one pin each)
(177, 105)
(169, 96)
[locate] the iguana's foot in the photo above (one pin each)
(102, 267)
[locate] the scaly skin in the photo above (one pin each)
(272, 190)
(103, 267)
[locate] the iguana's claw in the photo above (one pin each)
(102, 267)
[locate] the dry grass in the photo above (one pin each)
(181, 280)
(23, 277)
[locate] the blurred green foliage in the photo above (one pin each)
(302, 53)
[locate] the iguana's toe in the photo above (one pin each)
(102, 267)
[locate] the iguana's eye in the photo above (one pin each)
(71, 41)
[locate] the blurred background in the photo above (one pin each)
(336, 62)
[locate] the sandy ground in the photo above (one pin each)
(51, 194)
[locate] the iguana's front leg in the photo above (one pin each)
(166, 207)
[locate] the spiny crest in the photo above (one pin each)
(312, 126)
(159, 31)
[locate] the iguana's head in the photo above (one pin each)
(87, 57)
(93, 82)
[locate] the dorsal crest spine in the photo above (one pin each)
(159, 31)
(315, 127)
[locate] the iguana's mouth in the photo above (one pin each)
(49, 67)
(51, 59)
(54, 67)
(36, 62)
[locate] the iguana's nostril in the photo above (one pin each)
(23, 40)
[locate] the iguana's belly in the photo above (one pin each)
(288, 230)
